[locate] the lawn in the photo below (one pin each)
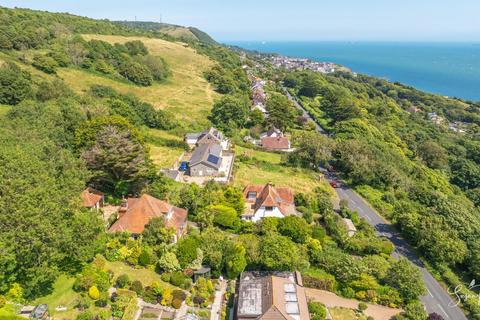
(62, 295)
(342, 314)
(4, 109)
(186, 93)
(165, 148)
(263, 167)
(145, 276)
(8, 312)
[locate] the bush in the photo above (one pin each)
(15, 84)
(45, 64)
(176, 303)
(136, 73)
(123, 281)
(177, 279)
(145, 258)
(94, 293)
(86, 315)
(137, 286)
(179, 294)
(317, 310)
(3, 301)
(362, 306)
(103, 300)
(166, 277)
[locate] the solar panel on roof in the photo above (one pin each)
(213, 159)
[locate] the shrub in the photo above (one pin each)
(137, 286)
(166, 276)
(197, 300)
(136, 73)
(86, 315)
(145, 258)
(45, 64)
(362, 306)
(179, 294)
(317, 310)
(103, 300)
(176, 303)
(177, 279)
(94, 293)
(15, 84)
(123, 281)
(3, 301)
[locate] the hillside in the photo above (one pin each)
(174, 31)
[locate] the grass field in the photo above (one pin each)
(263, 167)
(145, 276)
(3, 110)
(165, 147)
(186, 93)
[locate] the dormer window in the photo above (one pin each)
(251, 195)
(268, 208)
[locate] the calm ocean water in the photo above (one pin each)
(450, 69)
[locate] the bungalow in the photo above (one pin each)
(268, 201)
(136, 213)
(206, 160)
(276, 144)
(271, 295)
(92, 199)
(209, 136)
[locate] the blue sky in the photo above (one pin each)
(227, 20)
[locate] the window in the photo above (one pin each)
(268, 208)
(251, 195)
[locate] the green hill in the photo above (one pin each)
(174, 31)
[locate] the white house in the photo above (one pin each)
(267, 201)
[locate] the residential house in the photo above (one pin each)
(92, 199)
(272, 133)
(206, 160)
(271, 295)
(136, 213)
(209, 136)
(267, 201)
(276, 144)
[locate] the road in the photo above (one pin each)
(437, 298)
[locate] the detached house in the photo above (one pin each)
(271, 295)
(136, 213)
(206, 160)
(209, 136)
(92, 199)
(268, 201)
(275, 140)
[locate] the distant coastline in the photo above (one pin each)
(449, 69)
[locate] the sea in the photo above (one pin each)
(449, 69)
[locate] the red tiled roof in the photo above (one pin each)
(91, 197)
(279, 143)
(141, 210)
(270, 196)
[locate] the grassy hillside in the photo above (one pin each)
(171, 30)
(186, 93)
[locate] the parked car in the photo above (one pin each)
(334, 184)
(183, 166)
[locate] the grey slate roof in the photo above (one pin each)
(208, 154)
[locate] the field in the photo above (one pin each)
(263, 167)
(186, 93)
(165, 148)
